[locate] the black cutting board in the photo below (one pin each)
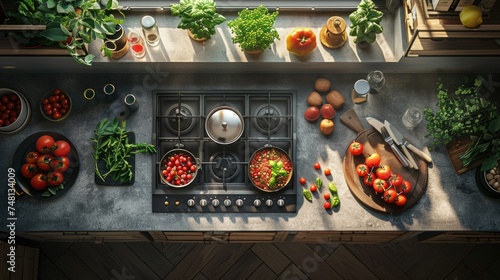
(109, 179)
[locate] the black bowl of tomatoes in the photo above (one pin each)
(178, 168)
(55, 105)
(47, 164)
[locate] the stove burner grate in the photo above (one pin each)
(224, 167)
(180, 118)
(267, 119)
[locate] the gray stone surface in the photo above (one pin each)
(452, 202)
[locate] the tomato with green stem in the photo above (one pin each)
(362, 170)
(44, 161)
(44, 144)
(396, 180)
(390, 196)
(38, 182)
(401, 200)
(356, 148)
(28, 170)
(60, 164)
(379, 185)
(32, 157)
(406, 187)
(373, 160)
(368, 179)
(54, 178)
(61, 148)
(383, 172)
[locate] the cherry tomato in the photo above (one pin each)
(313, 188)
(406, 187)
(327, 205)
(373, 160)
(327, 171)
(32, 157)
(362, 170)
(60, 164)
(302, 180)
(396, 180)
(379, 185)
(28, 170)
(390, 196)
(54, 178)
(43, 162)
(317, 166)
(61, 148)
(38, 181)
(368, 179)
(356, 148)
(44, 144)
(383, 172)
(400, 200)
(326, 196)
(56, 115)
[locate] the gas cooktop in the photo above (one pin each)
(222, 183)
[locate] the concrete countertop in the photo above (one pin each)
(451, 202)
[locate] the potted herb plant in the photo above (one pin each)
(365, 23)
(199, 17)
(254, 29)
(72, 23)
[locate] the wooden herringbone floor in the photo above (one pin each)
(261, 261)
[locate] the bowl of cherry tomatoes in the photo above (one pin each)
(14, 111)
(178, 168)
(55, 105)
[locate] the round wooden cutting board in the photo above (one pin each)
(373, 142)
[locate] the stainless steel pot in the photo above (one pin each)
(259, 166)
(166, 158)
(224, 125)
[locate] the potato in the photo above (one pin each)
(335, 99)
(322, 85)
(314, 99)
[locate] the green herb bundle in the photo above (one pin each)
(111, 145)
(459, 114)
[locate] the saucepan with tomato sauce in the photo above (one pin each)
(178, 168)
(270, 169)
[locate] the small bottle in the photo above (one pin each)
(150, 30)
(360, 92)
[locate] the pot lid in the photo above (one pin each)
(224, 125)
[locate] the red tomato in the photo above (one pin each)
(362, 170)
(313, 188)
(327, 205)
(317, 166)
(44, 161)
(396, 180)
(383, 172)
(326, 196)
(390, 195)
(327, 171)
(356, 148)
(400, 200)
(32, 157)
(373, 160)
(406, 187)
(379, 185)
(54, 178)
(302, 180)
(60, 164)
(368, 179)
(44, 144)
(61, 148)
(28, 170)
(301, 41)
(38, 181)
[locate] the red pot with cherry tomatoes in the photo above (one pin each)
(270, 169)
(55, 105)
(178, 168)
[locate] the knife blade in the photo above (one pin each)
(410, 158)
(378, 125)
(388, 139)
(406, 143)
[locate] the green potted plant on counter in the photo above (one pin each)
(198, 17)
(72, 23)
(365, 23)
(254, 29)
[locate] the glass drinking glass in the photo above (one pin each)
(136, 44)
(412, 117)
(376, 80)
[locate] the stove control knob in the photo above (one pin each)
(215, 202)
(227, 202)
(281, 202)
(190, 202)
(269, 203)
(257, 202)
(239, 202)
(203, 202)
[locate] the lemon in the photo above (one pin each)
(471, 16)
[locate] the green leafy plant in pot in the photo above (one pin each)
(486, 145)
(75, 23)
(365, 23)
(254, 29)
(199, 17)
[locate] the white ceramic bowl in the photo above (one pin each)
(23, 116)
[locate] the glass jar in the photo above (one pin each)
(360, 92)
(150, 30)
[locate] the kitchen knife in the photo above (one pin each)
(388, 139)
(379, 126)
(410, 158)
(404, 142)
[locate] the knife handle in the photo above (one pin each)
(419, 153)
(411, 160)
(400, 155)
